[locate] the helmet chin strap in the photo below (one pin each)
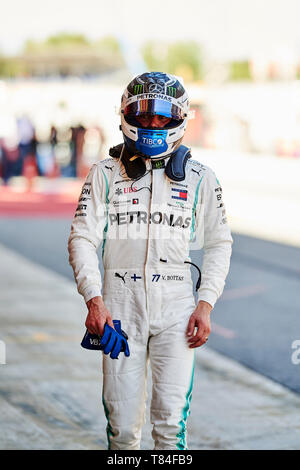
(135, 165)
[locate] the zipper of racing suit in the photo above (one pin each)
(147, 290)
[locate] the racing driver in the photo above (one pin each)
(145, 206)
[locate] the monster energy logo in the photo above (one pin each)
(158, 164)
(172, 91)
(138, 89)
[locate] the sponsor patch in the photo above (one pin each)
(179, 205)
(166, 277)
(158, 164)
(120, 191)
(142, 217)
(120, 276)
(121, 203)
(180, 194)
(178, 184)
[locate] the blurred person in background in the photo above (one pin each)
(145, 205)
(9, 142)
(27, 141)
(30, 166)
(44, 151)
(92, 143)
(64, 151)
(10, 158)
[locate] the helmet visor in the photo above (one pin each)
(154, 107)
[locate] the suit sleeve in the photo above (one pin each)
(87, 233)
(214, 234)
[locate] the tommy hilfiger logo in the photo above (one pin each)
(179, 194)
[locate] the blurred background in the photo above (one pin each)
(63, 67)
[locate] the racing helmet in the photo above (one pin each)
(154, 93)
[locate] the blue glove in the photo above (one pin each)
(113, 341)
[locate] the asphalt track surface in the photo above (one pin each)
(255, 321)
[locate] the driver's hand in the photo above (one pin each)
(97, 317)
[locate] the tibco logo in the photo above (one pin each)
(152, 141)
(2, 352)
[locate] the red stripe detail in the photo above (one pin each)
(183, 195)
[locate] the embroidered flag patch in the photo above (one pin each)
(179, 194)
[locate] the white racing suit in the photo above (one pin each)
(145, 226)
